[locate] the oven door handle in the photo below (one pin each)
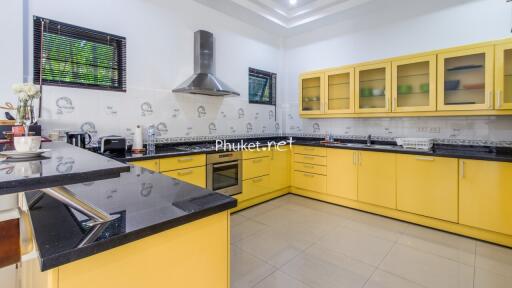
(225, 164)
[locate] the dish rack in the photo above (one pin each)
(416, 143)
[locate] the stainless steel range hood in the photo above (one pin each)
(204, 80)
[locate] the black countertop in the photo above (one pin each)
(64, 165)
(502, 154)
(147, 203)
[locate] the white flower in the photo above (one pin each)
(17, 88)
(22, 96)
(32, 90)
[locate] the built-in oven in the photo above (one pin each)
(224, 172)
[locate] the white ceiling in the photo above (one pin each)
(279, 16)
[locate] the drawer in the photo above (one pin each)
(254, 187)
(256, 167)
(309, 181)
(256, 153)
(309, 159)
(308, 150)
(152, 165)
(310, 168)
(195, 176)
(181, 162)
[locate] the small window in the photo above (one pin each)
(72, 56)
(262, 87)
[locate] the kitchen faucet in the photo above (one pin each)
(369, 140)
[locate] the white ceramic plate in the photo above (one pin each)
(20, 155)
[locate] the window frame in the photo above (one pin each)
(84, 34)
(272, 83)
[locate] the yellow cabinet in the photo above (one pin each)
(195, 175)
(485, 195)
(342, 173)
(152, 165)
(309, 181)
(311, 91)
(503, 76)
(256, 153)
(309, 150)
(376, 178)
(181, 162)
(310, 168)
(466, 79)
(280, 169)
(254, 187)
(414, 84)
(373, 88)
(340, 91)
(428, 186)
(255, 167)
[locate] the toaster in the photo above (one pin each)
(113, 145)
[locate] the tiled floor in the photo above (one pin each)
(298, 242)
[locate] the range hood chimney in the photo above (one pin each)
(204, 80)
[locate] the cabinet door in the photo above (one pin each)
(195, 176)
(254, 187)
(503, 76)
(485, 195)
(428, 186)
(414, 84)
(465, 79)
(252, 168)
(376, 178)
(311, 94)
(373, 88)
(280, 169)
(342, 173)
(153, 165)
(340, 91)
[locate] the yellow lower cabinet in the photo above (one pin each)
(255, 167)
(309, 181)
(254, 187)
(195, 176)
(376, 179)
(182, 162)
(310, 159)
(256, 153)
(310, 168)
(428, 186)
(342, 173)
(309, 150)
(279, 169)
(152, 165)
(485, 195)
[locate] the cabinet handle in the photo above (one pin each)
(257, 160)
(184, 173)
(181, 160)
(360, 158)
(489, 97)
(309, 166)
(425, 158)
(395, 101)
(462, 172)
(354, 158)
(309, 157)
(257, 180)
(309, 175)
(309, 148)
(498, 95)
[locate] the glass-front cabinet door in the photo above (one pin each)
(503, 76)
(339, 97)
(373, 88)
(414, 84)
(311, 93)
(465, 79)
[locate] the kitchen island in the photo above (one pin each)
(163, 232)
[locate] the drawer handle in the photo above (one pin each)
(184, 173)
(425, 158)
(257, 180)
(309, 157)
(309, 166)
(185, 160)
(309, 175)
(309, 148)
(257, 161)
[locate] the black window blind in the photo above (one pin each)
(262, 87)
(72, 56)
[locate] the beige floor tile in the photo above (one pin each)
(319, 267)
(358, 245)
(237, 219)
(488, 279)
(443, 244)
(494, 258)
(274, 246)
(246, 229)
(246, 269)
(382, 279)
(379, 226)
(280, 280)
(258, 209)
(427, 269)
(277, 217)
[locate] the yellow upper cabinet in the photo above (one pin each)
(503, 76)
(466, 79)
(339, 97)
(414, 84)
(373, 88)
(311, 91)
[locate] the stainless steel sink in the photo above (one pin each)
(361, 145)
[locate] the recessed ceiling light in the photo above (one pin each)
(293, 2)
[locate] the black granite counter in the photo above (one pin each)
(147, 203)
(65, 164)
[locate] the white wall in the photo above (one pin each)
(11, 47)
(472, 22)
(160, 56)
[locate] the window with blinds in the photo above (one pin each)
(72, 56)
(262, 87)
